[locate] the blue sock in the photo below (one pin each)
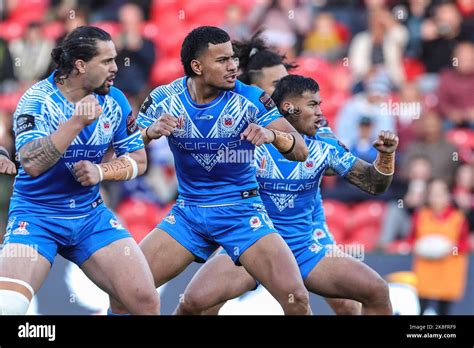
(109, 312)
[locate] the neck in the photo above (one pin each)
(200, 92)
(72, 90)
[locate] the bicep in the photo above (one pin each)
(282, 125)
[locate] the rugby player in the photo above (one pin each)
(207, 115)
(288, 191)
(63, 126)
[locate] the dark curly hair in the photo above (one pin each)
(197, 41)
(293, 86)
(81, 43)
(254, 55)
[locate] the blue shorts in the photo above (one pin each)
(322, 234)
(201, 229)
(76, 239)
(307, 252)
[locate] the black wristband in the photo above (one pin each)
(146, 133)
(4, 153)
(292, 146)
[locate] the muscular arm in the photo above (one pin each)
(367, 178)
(39, 155)
(300, 150)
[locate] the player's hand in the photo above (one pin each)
(87, 110)
(7, 166)
(162, 126)
(387, 142)
(257, 135)
(87, 173)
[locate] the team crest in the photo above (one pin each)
(255, 222)
(315, 248)
(115, 224)
(22, 228)
(228, 121)
(309, 165)
(170, 219)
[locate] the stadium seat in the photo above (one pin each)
(53, 30)
(367, 235)
(369, 213)
(337, 214)
(29, 11)
(111, 27)
(165, 71)
(413, 68)
(11, 30)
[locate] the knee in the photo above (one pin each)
(191, 304)
(297, 297)
(13, 303)
(379, 292)
(147, 302)
(346, 307)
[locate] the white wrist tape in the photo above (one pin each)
(101, 173)
(134, 166)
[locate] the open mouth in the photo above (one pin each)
(110, 81)
(231, 77)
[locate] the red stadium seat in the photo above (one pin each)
(111, 27)
(11, 30)
(29, 11)
(53, 30)
(368, 213)
(165, 71)
(367, 236)
(337, 214)
(413, 68)
(463, 139)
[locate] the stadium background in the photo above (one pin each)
(372, 58)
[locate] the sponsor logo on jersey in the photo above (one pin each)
(267, 101)
(132, 126)
(21, 228)
(24, 123)
(319, 233)
(170, 219)
(115, 224)
(255, 222)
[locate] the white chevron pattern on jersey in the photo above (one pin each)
(271, 169)
(101, 134)
(283, 200)
(318, 153)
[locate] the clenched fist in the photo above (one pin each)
(387, 142)
(87, 173)
(257, 135)
(162, 126)
(7, 166)
(88, 110)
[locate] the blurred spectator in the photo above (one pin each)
(76, 19)
(135, 55)
(408, 108)
(463, 195)
(363, 148)
(440, 239)
(325, 40)
(284, 24)
(439, 35)
(456, 87)
(234, 23)
(382, 45)
(7, 75)
(417, 14)
(373, 104)
(431, 143)
(396, 223)
(31, 54)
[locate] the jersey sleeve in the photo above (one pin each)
(267, 111)
(30, 120)
(127, 137)
(341, 160)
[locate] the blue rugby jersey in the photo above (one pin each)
(213, 165)
(56, 192)
(289, 189)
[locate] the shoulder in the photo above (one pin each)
(254, 94)
(164, 91)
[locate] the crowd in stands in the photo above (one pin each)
(404, 66)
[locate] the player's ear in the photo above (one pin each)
(287, 107)
(80, 65)
(196, 66)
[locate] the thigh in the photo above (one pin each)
(120, 268)
(166, 256)
(218, 280)
(271, 262)
(339, 275)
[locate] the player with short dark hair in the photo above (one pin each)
(288, 191)
(214, 123)
(63, 126)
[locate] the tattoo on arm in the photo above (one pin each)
(367, 178)
(40, 153)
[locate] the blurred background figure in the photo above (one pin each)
(382, 45)
(31, 55)
(440, 240)
(456, 86)
(234, 23)
(136, 55)
(326, 39)
(363, 147)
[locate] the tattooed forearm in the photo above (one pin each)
(367, 178)
(39, 155)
